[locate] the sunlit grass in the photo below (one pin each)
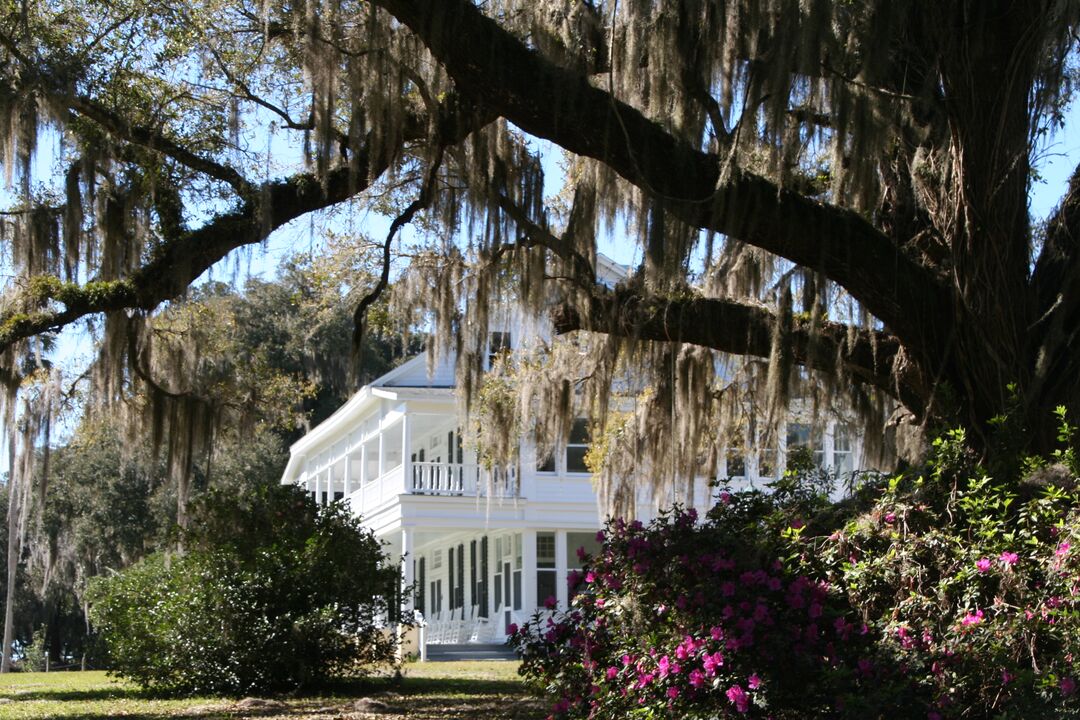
(487, 689)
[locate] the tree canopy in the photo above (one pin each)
(835, 193)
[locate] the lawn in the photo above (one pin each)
(489, 690)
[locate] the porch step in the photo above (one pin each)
(469, 651)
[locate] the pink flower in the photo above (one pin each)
(753, 682)
(1067, 686)
(1062, 549)
(983, 564)
(550, 602)
(1008, 559)
(739, 697)
(590, 577)
(512, 629)
(725, 497)
(673, 692)
(1006, 677)
(711, 662)
(664, 666)
(612, 673)
(581, 554)
(890, 518)
(972, 618)
(797, 523)
(697, 678)
(599, 536)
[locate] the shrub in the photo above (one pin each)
(273, 593)
(948, 596)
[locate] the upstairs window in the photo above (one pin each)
(498, 344)
(576, 447)
(574, 453)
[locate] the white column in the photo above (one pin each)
(528, 571)
(382, 451)
(407, 578)
(363, 477)
(348, 479)
(406, 443)
(562, 593)
(318, 488)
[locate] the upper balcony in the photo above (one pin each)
(401, 442)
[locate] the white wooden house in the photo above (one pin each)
(480, 561)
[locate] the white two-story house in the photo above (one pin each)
(482, 552)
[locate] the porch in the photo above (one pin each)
(406, 448)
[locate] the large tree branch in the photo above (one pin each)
(870, 357)
(178, 262)
(492, 66)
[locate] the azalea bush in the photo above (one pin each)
(944, 595)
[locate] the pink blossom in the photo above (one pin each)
(972, 618)
(753, 682)
(612, 673)
(673, 692)
(983, 564)
(725, 497)
(1006, 677)
(550, 602)
(599, 536)
(697, 678)
(1062, 549)
(512, 628)
(711, 662)
(890, 518)
(1067, 686)
(590, 577)
(1008, 558)
(797, 523)
(581, 554)
(739, 697)
(664, 666)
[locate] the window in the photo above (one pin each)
(459, 589)
(436, 560)
(482, 592)
(421, 583)
(498, 344)
(577, 444)
(450, 577)
(843, 461)
(576, 447)
(545, 567)
(436, 597)
(801, 435)
(767, 463)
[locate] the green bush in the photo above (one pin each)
(271, 594)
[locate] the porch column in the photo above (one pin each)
(348, 479)
(407, 578)
(363, 477)
(318, 488)
(382, 452)
(528, 571)
(406, 443)
(562, 593)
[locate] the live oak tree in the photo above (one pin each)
(835, 192)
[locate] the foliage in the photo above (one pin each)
(950, 595)
(273, 594)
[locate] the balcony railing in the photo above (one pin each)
(432, 478)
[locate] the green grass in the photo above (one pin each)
(488, 690)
